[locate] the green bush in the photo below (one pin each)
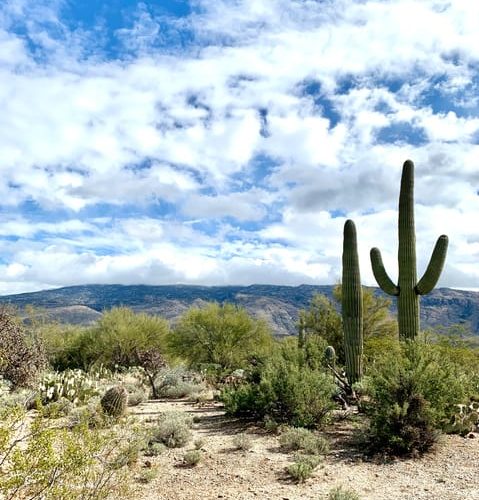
(300, 439)
(154, 449)
(21, 355)
(340, 493)
(224, 335)
(192, 458)
(303, 467)
(176, 382)
(52, 462)
(173, 430)
(285, 389)
(242, 442)
(413, 390)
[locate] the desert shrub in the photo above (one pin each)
(147, 475)
(340, 493)
(322, 319)
(413, 391)
(192, 458)
(285, 389)
(154, 449)
(173, 430)
(303, 467)
(90, 415)
(21, 356)
(199, 443)
(120, 339)
(177, 382)
(224, 335)
(50, 462)
(64, 345)
(300, 439)
(136, 396)
(57, 409)
(242, 442)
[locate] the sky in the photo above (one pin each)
(225, 142)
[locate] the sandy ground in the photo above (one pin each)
(451, 473)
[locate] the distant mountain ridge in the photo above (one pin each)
(279, 305)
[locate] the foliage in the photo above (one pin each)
(303, 467)
(377, 319)
(51, 462)
(225, 335)
(63, 343)
(298, 438)
(177, 382)
(285, 388)
(154, 449)
(173, 430)
(120, 339)
(341, 493)
(242, 442)
(323, 320)
(21, 356)
(192, 458)
(413, 390)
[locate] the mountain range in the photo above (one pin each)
(279, 305)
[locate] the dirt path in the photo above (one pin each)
(452, 473)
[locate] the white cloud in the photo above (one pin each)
(171, 139)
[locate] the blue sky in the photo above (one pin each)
(227, 141)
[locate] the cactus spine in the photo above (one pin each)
(114, 401)
(408, 289)
(352, 305)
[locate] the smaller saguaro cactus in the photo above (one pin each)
(114, 401)
(352, 305)
(330, 355)
(301, 332)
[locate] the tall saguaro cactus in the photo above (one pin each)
(408, 288)
(352, 305)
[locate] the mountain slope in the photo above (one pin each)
(279, 305)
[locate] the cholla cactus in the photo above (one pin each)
(114, 401)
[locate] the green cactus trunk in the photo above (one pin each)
(408, 299)
(301, 332)
(352, 305)
(408, 289)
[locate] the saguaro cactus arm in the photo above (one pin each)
(434, 269)
(381, 275)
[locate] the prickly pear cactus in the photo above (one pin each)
(114, 401)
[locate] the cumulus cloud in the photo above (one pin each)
(228, 143)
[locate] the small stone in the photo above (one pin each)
(471, 435)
